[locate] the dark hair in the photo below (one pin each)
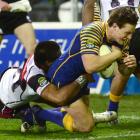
(123, 15)
(46, 50)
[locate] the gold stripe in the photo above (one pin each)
(114, 98)
(68, 122)
(97, 16)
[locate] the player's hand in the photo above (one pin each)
(130, 61)
(129, 64)
(4, 6)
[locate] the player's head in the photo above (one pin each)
(46, 53)
(122, 16)
(122, 24)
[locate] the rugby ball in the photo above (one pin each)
(110, 70)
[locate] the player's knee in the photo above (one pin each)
(85, 125)
(89, 125)
(71, 125)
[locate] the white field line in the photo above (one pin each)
(115, 136)
(128, 135)
(132, 117)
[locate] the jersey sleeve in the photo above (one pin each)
(91, 38)
(38, 83)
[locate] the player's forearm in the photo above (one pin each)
(95, 63)
(88, 11)
(60, 96)
(104, 61)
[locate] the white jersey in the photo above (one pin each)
(19, 87)
(107, 5)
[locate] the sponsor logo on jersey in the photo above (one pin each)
(90, 44)
(42, 81)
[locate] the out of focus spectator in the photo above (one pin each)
(45, 10)
(70, 11)
(55, 10)
(32, 2)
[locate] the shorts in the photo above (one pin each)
(10, 21)
(9, 1)
(134, 48)
(6, 112)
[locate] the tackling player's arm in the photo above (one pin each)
(54, 95)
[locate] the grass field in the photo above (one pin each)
(128, 127)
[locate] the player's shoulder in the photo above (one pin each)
(97, 26)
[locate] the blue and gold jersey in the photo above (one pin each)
(92, 37)
(70, 66)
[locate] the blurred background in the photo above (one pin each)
(56, 10)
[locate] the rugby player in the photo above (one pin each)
(19, 87)
(14, 19)
(82, 57)
(130, 62)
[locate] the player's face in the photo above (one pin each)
(124, 33)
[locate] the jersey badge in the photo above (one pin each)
(42, 81)
(90, 44)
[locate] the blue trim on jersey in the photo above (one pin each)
(68, 66)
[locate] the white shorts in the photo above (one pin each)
(18, 97)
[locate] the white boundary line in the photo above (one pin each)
(116, 136)
(130, 134)
(132, 117)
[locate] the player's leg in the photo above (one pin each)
(25, 114)
(6, 112)
(26, 35)
(19, 23)
(116, 93)
(71, 118)
(117, 87)
(82, 115)
(120, 80)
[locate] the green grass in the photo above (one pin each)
(128, 127)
